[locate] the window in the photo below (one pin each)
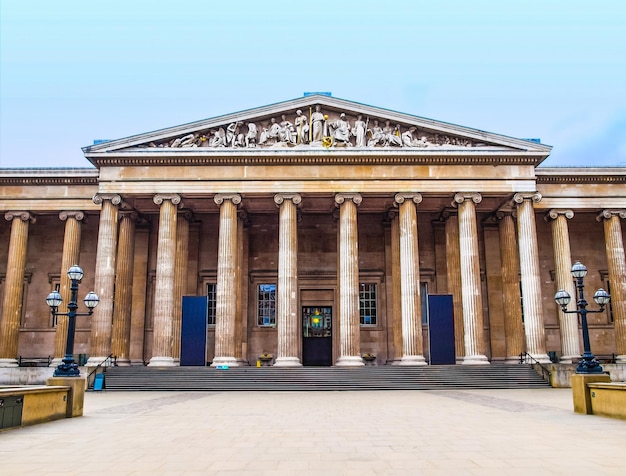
(266, 302)
(367, 304)
(211, 303)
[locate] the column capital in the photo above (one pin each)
(114, 198)
(132, 214)
(521, 196)
(340, 198)
(554, 213)
(505, 212)
(21, 214)
(400, 197)
(447, 213)
(460, 197)
(159, 198)
(186, 213)
(607, 213)
(78, 215)
(233, 197)
(279, 198)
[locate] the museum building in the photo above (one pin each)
(315, 231)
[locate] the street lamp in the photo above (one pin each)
(588, 364)
(69, 368)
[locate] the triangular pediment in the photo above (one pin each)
(313, 124)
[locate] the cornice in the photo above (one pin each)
(42, 176)
(580, 175)
(321, 158)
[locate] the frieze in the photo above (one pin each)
(314, 128)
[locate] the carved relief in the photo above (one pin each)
(314, 130)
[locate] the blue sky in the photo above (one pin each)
(74, 71)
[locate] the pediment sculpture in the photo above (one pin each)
(314, 130)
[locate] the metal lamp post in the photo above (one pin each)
(69, 368)
(588, 364)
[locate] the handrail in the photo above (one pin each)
(111, 358)
(524, 357)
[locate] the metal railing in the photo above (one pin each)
(110, 361)
(526, 358)
(34, 361)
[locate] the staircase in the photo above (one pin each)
(438, 377)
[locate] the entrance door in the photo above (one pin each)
(317, 341)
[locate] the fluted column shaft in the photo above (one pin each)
(617, 276)
(287, 316)
(513, 326)
(71, 256)
(106, 251)
(455, 286)
(164, 285)
(470, 279)
(226, 295)
(120, 340)
(568, 323)
(412, 346)
(531, 280)
(180, 278)
(396, 294)
(349, 319)
(14, 287)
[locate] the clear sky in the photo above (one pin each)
(73, 70)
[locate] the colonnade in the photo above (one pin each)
(110, 325)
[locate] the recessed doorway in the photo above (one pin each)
(317, 341)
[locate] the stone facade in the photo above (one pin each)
(359, 210)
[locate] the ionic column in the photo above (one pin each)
(412, 347)
(71, 256)
(568, 323)
(14, 286)
(512, 309)
(164, 285)
(180, 278)
(531, 280)
(349, 319)
(453, 275)
(470, 279)
(106, 252)
(617, 276)
(226, 294)
(120, 340)
(287, 315)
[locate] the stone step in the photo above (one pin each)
(323, 378)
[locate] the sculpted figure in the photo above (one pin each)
(407, 138)
(186, 141)
(392, 135)
(286, 133)
(233, 136)
(302, 128)
(377, 135)
(250, 138)
(341, 130)
(219, 138)
(317, 126)
(358, 131)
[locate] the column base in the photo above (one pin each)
(8, 363)
(123, 362)
(350, 361)
(287, 362)
(541, 358)
(569, 359)
(412, 360)
(229, 361)
(475, 360)
(161, 362)
(95, 361)
(512, 360)
(137, 362)
(394, 362)
(620, 359)
(54, 363)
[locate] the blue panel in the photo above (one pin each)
(441, 329)
(193, 331)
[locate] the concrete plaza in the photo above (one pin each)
(452, 432)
